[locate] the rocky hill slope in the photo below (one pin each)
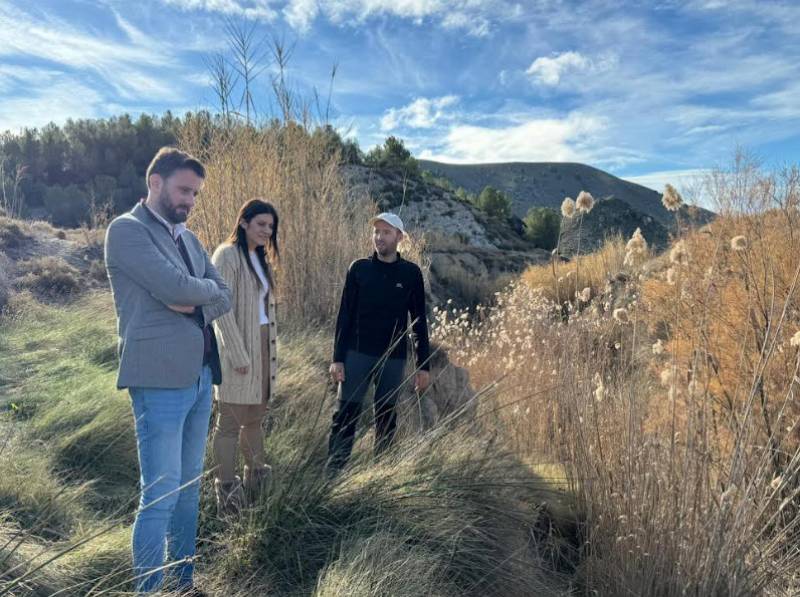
(544, 184)
(622, 206)
(471, 254)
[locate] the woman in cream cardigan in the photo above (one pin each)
(247, 343)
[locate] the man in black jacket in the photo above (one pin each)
(370, 346)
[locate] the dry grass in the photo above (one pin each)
(13, 233)
(49, 277)
(559, 281)
(683, 455)
(727, 317)
(461, 514)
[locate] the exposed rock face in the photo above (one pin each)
(423, 207)
(470, 253)
(450, 396)
(470, 274)
(609, 216)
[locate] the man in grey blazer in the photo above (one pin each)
(166, 294)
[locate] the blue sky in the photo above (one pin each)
(651, 91)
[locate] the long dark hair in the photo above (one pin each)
(238, 237)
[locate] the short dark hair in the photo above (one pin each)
(170, 159)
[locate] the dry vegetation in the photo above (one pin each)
(661, 390)
(560, 281)
(321, 230)
(668, 393)
(49, 277)
(452, 507)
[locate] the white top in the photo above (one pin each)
(263, 317)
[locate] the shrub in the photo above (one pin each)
(495, 203)
(50, 277)
(542, 226)
(97, 271)
(465, 195)
(560, 280)
(393, 155)
(67, 206)
(13, 233)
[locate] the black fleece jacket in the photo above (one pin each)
(377, 299)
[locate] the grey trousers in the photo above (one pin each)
(362, 371)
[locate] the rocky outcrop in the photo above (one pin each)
(450, 397)
(609, 217)
(470, 253)
(424, 207)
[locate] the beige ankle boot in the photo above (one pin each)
(230, 497)
(257, 481)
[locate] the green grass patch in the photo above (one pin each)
(447, 513)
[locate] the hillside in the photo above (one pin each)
(471, 255)
(622, 206)
(545, 184)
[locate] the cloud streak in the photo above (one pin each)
(133, 68)
(476, 18)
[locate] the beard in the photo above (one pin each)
(386, 249)
(176, 214)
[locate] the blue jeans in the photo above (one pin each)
(171, 433)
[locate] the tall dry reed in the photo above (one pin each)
(321, 229)
(668, 398)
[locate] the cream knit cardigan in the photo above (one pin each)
(239, 331)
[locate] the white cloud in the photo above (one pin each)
(56, 101)
(548, 71)
(473, 16)
(252, 9)
(14, 76)
(419, 114)
(536, 140)
(476, 25)
(300, 14)
(138, 68)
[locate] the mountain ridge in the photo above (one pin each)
(546, 184)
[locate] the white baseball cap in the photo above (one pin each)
(391, 219)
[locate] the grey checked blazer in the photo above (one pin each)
(159, 348)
